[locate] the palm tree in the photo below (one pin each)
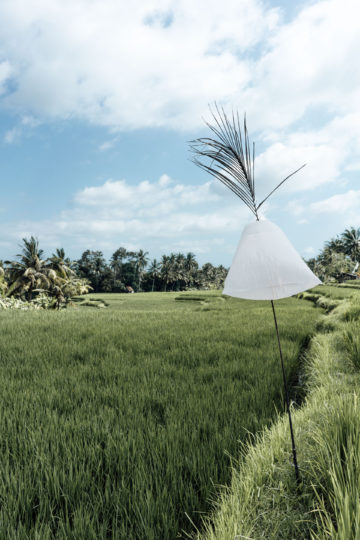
(116, 263)
(180, 275)
(30, 273)
(191, 267)
(61, 264)
(166, 270)
(220, 275)
(64, 289)
(154, 272)
(336, 245)
(141, 261)
(326, 255)
(209, 273)
(351, 241)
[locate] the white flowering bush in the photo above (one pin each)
(41, 302)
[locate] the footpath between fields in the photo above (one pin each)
(263, 500)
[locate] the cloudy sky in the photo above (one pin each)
(99, 98)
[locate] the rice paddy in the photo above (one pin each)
(120, 422)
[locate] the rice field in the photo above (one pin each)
(120, 422)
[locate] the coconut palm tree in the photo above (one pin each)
(351, 241)
(220, 275)
(208, 272)
(191, 267)
(64, 289)
(336, 245)
(141, 261)
(30, 273)
(154, 272)
(180, 274)
(61, 264)
(166, 270)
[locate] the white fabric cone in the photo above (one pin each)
(266, 266)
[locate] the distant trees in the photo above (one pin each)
(31, 275)
(340, 255)
(93, 267)
(154, 272)
(174, 272)
(351, 242)
(60, 278)
(141, 261)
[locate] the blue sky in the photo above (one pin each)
(99, 98)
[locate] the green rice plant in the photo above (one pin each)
(336, 292)
(262, 500)
(351, 339)
(352, 313)
(338, 513)
(325, 324)
(119, 423)
(312, 297)
(327, 304)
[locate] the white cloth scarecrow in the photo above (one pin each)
(266, 266)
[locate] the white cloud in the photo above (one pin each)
(338, 204)
(129, 65)
(107, 145)
(310, 61)
(14, 134)
(165, 215)
(118, 197)
(160, 63)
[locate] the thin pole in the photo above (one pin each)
(297, 474)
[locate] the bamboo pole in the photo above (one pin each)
(297, 474)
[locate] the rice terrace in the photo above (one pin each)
(179, 270)
(121, 422)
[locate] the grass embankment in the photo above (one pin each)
(263, 501)
(115, 423)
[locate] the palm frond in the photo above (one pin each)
(228, 157)
(280, 184)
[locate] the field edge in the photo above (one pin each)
(263, 500)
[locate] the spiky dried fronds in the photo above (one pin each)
(228, 157)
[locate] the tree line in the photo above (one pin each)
(61, 278)
(340, 255)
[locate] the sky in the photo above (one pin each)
(100, 98)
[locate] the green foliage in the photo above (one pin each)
(92, 266)
(263, 500)
(351, 339)
(339, 457)
(60, 278)
(339, 256)
(47, 283)
(119, 423)
(41, 302)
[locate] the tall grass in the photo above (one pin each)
(263, 500)
(119, 423)
(339, 465)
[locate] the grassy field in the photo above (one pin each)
(118, 422)
(263, 500)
